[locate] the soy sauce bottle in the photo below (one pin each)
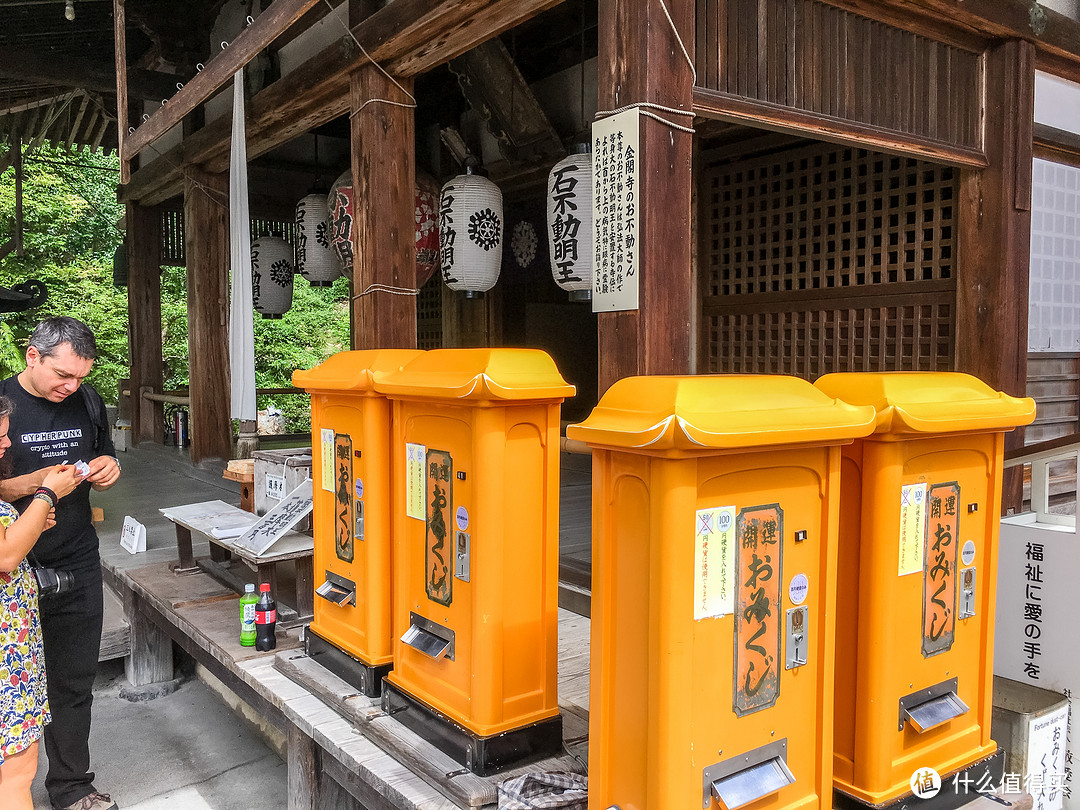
(265, 619)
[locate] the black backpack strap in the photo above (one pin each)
(95, 408)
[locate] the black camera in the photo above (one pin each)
(50, 580)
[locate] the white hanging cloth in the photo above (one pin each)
(241, 319)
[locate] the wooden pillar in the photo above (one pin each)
(144, 320)
(640, 60)
(206, 245)
(994, 241)
(384, 225)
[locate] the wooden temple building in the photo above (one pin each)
(846, 187)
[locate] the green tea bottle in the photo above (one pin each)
(247, 615)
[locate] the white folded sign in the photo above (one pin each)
(278, 521)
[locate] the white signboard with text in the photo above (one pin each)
(1035, 637)
(616, 208)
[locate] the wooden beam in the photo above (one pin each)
(640, 61)
(993, 240)
(447, 30)
(25, 63)
(206, 246)
(494, 86)
(431, 31)
(246, 46)
(384, 224)
(144, 320)
(778, 118)
(120, 55)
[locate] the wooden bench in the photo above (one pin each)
(203, 518)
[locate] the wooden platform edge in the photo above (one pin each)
(418, 755)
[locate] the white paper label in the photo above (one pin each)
(798, 588)
(275, 487)
(967, 554)
(714, 562)
(912, 528)
(415, 483)
(326, 440)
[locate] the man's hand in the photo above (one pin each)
(104, 472)
(11, 489)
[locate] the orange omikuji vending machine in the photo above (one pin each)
(715, 510)
(350, 633)
(476, 529)
(920, 512)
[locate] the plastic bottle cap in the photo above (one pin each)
(249, 587)
(264, 587)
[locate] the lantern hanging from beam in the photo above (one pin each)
(271, 276)
(470, 233)
(315, 260)
(570, 224)
(427, 227)
(339, 219)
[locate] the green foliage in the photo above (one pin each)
(70, 236)
(11, 359)
(316, 327)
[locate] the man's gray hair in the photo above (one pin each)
(53, 332)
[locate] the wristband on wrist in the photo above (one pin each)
(46, 494)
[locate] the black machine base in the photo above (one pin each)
(481, 755)
(957, 789)
(366, 678)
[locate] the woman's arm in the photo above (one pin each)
(18, 538)
(11, 489)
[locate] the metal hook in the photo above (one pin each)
(131, 130)
(250, 19)
(199, 67)
(179, 85)
(163, 101)
(224, 45)
(146, 117)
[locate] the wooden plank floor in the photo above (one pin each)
(202, 615)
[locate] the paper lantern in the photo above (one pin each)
(427, 227)
(315, 260)
(339, 220)
(271, 276)
(470, 233)
(570, 225)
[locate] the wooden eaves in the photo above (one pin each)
(407, 37)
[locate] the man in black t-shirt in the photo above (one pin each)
(58, 421)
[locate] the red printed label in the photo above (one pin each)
(265, 616)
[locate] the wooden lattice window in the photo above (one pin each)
(827, 258)
(429, 314)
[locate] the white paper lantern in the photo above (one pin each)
(570, 225)
(314, 259)
(470, 233)
(271, 276)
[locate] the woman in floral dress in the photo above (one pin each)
(24, 706)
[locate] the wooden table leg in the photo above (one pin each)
(186, 563)
(268, 573)
(305, 587)
(219, 553)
